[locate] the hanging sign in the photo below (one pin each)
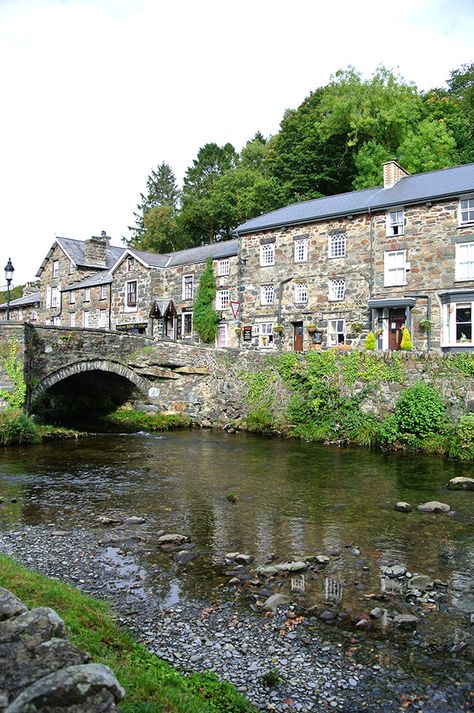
(248, 333)
(235, 307)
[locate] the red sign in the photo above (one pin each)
(235, 307)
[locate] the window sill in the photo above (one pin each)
(336, 257)
(396, 284)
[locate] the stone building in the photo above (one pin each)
(324, 272)
(25, 308)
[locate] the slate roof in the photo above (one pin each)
(226, 248)
(23, 301)
(103, 277)
(74, 249)
(421, 187)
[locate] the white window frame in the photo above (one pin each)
(301, 250)
(337, 245)
(103, 292)
(184, 334)
(396, 222)
(87, 294)
(301, 293)
(102, 319)
(131, 307)
(466, 207)
(72, 319)
(464, 261)
(55, 269)
(222, 299)
(450, 323)
(86, 318)
(267, 254)
(267, 294)
(55, 297)
(336, 328)
(72, 297)
(34, 316)
(57, 321)
(395, 267)
(187, 290)
(337, 290)
(130, 263)
(222, 335)
(223, 267)
(266, 338)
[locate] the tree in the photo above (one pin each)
(205, 317)
(162, 191)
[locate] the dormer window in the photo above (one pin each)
(395, 222)
(466, 211)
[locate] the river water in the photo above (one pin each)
(292, 499)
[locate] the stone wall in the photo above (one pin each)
(42, 671)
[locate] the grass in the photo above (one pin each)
(130, 420)
(151, 685)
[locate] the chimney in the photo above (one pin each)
(95, 249)
(30, 289)
(392, 173)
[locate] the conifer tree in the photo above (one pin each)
(205, 317)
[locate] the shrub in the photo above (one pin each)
(462, 443)
(420, 410)
(406, 344)
(260, 421)
(16, 428)
(205, 317)
(388, 432)
(370, 342)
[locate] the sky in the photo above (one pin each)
(96, 93)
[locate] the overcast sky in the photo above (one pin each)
(96, 93)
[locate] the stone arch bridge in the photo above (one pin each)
(65, 365)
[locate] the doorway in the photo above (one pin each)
(298, 336)
(222, 335)
(396, 322)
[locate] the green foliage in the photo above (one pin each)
(420, 410)
(17, 429)
(461, 446)
(150, 684)
(371, 368)
(13, 367)
(205, 317)
(462, 363)
(271, 678)
(260, 420)
(388, 433)
(370, 342)
(132, 421)
(406, 344)
(231, 497)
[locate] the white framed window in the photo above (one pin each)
(395, 267)
(86, 318)
(301, 292)
(221, 339)
(72, 297)
(102, 318)
(460, 323)
(55, 270)
(267, 294)
(336, 332)
(301, 250)
(465, 261)
(395, 222)
(265, 335)
(72, 319)
(187, 324)
(131, 291)
(87, 294)
(267, 254)
(34, 316)
(222, 299)
(54, 297)
(103, 292)
(337, 290)
(56, 321)
(337, 245)
(130, 262)
(188, 287)
(466, 211)
(223, 267)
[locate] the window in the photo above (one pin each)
(301, 250)
(34, 316)
(267, 294)
(55, 268)
(130, 262)
(395, 267)
(70, 267)
(222, 299)
(72, 297)
(72, 319)
(188, 287)
(86, 318)
(54, 297)
(131, 293)
(187, 324)
(395, 222)
(301, 293)
(463, 324)
(102, 318)
(465, 261)
(265, 335)
(336, 332)
(337, 290)
(103, 292)
(87, 294)
(466, 211)
(337, 245)
(223, 267)
(56, 321)
(267, 254)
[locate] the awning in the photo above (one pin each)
(392, 302)
(163, 309)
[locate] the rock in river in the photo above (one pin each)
(434, 506)
(403, 507)
(405, 621)
(172, 539)
(275, 601)
(461, 483)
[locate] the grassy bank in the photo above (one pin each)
(127, 419)
(151, 685)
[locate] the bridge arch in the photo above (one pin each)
(75, 369)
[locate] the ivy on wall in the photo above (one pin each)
(13, 367)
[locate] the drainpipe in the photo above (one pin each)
(372, 267)
(280, 298)
(428, 313)
(110, 306)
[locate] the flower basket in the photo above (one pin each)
(311, 328)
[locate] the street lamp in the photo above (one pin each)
(9, 270)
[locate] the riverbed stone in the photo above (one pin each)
(421, 581)
(405, 621)
(322, 559)
(402, 506)
(297, 566)
(134, 520)
(10, 606)
(434, 506)
(461, 483)
(172, 539)
(244, 559)
(184, 556)
(395, 571)
(275, 601)
(267, 570)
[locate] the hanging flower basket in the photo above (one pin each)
(424, 325)
(278, 329)
(311, 328)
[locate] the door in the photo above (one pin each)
(222, 335)
(298, 336)
(396, 322)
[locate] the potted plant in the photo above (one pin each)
(238, 331)
(278, 329)
(311, 328)
(356, 327)
(424, 325)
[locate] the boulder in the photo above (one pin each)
(185, 556)
(134, 520)
(275, 601)
(10, 606)
(32, 627)
(171, 539)
(461, 483)
(421, 581)
(395, 571)
(405, 621)
(402, 506)
(291, 566)
(433, 506)
(244, 559)
(267, 570)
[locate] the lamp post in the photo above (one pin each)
(9, 270)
